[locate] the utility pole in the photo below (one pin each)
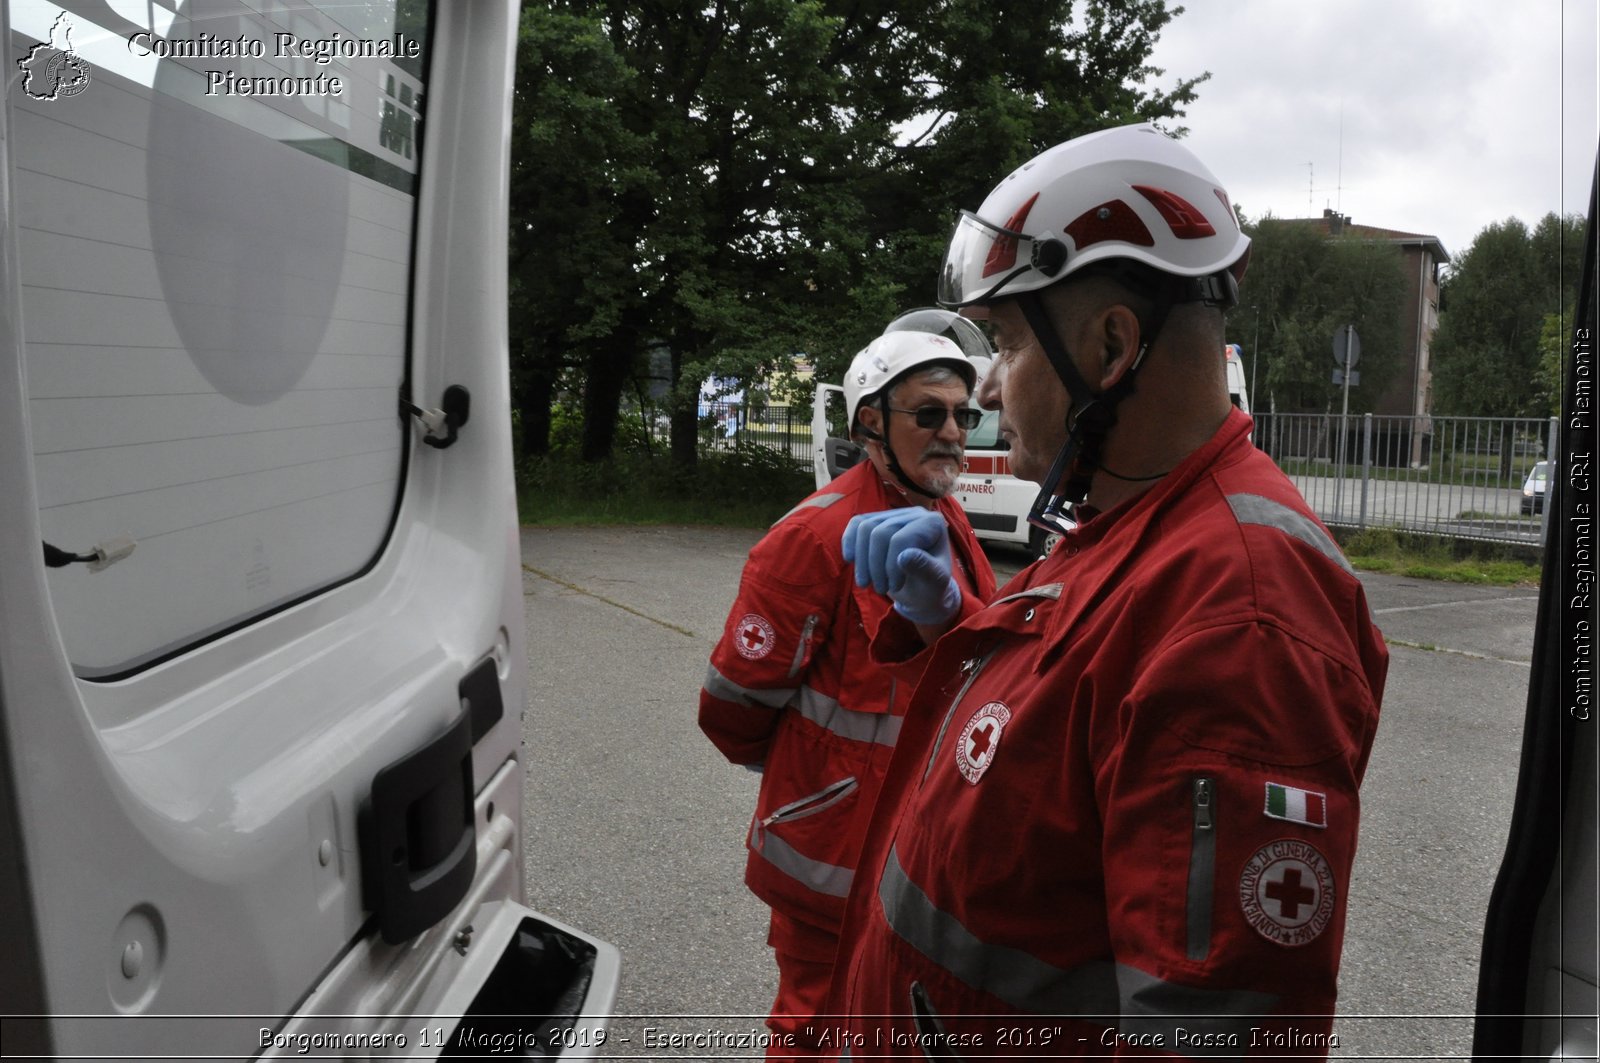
(1255, 357)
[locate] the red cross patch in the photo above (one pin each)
(979, 739)
(753, 636)
(1287, 892)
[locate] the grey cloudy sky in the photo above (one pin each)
(1455, 113)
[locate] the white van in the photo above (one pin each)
(1237, 391)
(261, 619)
(995, 501)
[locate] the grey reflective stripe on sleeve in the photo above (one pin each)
(815, 502)
(1019, 978)
(720, 686)
(830, 879)
(1150, 1005)
(1257, 509)
(825, 712)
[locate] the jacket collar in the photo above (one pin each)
(1088, 558)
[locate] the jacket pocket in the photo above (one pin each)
(811, 804)
(814, 841)
(802, 651)
(1202, 865)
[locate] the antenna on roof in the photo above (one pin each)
(1338, 187)
(1311, 188)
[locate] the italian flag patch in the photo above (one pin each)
(1296, 805)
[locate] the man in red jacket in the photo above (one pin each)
(790, 690)
(1122, 815)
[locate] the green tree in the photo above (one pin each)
(768, 177)
(574, 165)
(1555, 338)
(1300, 289)
(1494, 307)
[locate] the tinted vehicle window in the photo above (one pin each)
(215, 292)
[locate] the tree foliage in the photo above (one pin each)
(1300, 289)
(1493, 309)
(1555, 339)
(740, 181)
(574, 164)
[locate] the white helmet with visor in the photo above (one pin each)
(915, 340)
(1129, 201)
(1128, 193)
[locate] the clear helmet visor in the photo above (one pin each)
(982, 259)
(965, 334)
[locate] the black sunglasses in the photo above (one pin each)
(933, 416)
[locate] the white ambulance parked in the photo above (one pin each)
(261, 622)
(1238, 392)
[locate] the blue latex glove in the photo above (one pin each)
(905, 554)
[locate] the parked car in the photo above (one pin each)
(1534, 488)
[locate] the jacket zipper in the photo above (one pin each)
(809, 805)
(1202, 865)
(800, 650)
(972, 666)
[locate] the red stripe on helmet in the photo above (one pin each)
(1225, 204)
(1003, 252)
(1109, 221)
(1184, 218)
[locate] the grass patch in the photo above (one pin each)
(748, 487)
(1448, 560)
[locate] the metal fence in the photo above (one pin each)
(1458, 477)
(786, 429)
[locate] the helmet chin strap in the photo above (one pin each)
(1088, 425)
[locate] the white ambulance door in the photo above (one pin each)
(832, 451)
(1238, 392)
(260, 728)
(975, 488)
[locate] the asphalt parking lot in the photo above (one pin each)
(634, 823)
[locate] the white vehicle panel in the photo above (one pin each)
(210, 312)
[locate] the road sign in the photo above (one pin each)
(1355, 377)
(1346, 347)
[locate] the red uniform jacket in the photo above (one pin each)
(792, 689)
(1123, 814)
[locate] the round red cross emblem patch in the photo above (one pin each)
(753, 636)
(1287, 892)
(979, 739)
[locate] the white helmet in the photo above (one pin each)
(1127, 193)
(904, 349)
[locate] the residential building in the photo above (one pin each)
(1404, 411)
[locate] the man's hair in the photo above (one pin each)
(933, 374)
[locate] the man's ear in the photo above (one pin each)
(1118, 338)
(871, 419)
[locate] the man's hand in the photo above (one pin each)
(905, 554)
